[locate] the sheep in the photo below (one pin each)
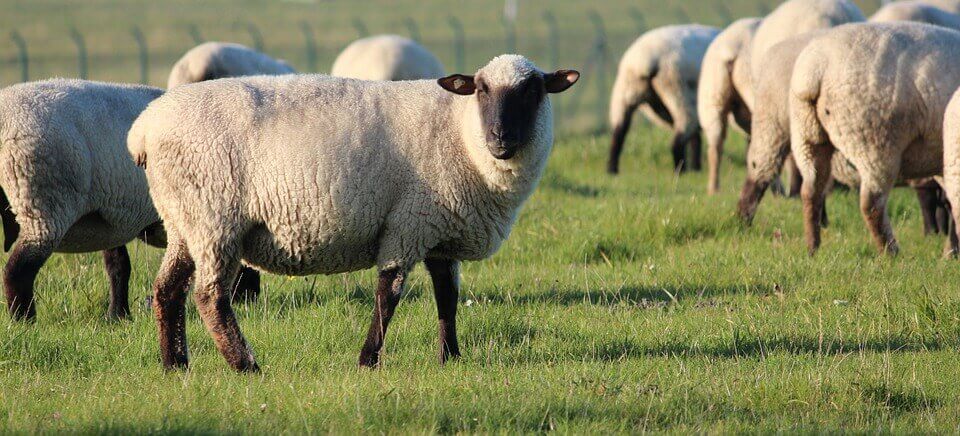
(796, 17)
(951, 6)
(68, 184)
(724, 83)
(916, 11)
(876, 93)
(387, 57)
(659, 74)
(321, 175)
(215, 60)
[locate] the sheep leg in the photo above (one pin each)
(813, 193)
(873, 207)
(750, 196)
(796, 180)
(928, 209)
(19, 275)
(446, 288)
(117, 262)
(247, 286)
(679, 149)
(951, 243)
(715, 140)
(696, 151)
(169, 296)
(618, 138)
(215, 276)
(389, 290)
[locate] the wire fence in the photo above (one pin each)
(593, 49)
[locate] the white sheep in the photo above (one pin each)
(659, 74)
(724, 87)
(796, 17)
(916, 11)
(387, 57)
(215, 60)
(952, 6)
(876, 93)
(69, 184)
(320, 175)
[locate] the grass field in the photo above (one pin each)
(619, 304)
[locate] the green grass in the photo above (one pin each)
(617, 305)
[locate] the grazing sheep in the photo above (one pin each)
(952, 6)
(876, 93)
(320, 175)
(724, 83)
(659, 74)
(387, 57)
(69, 184)
(215, 60)
(796, 17)
(916, 11)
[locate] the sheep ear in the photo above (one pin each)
(458, 84)
(560, 80)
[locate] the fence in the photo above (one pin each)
(588, 43)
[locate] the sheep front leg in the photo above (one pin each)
(19, 275)
(696, 151)
(216, 273)
(446, 288)
(389, 290)
(873, 207)
(679, 150)
(117, 262)
(618, 138)
(169, 296)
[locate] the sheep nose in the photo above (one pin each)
(496, 133)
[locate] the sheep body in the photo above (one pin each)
(875, 93)
(316, 174)
(387, 57)
(795, 17)
(723, 88)
(659, 74)
(916, 11)
(69, 182)
(215, 60)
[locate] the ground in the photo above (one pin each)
(617, 305)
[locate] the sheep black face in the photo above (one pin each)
(508, 111)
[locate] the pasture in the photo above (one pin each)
(619, 304)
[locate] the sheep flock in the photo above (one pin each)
(243, 166)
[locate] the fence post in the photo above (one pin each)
(554, 49)
(510, 35)
(600, 48)
(638, 20)
(459, 41)
(144, 55)
(361, 28)
(255, 36)
(24, 58)
(412, 28)
(310, 43)
(81, 52)
(195, 34)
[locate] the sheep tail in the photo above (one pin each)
(11, 230)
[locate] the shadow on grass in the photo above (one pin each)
(560, 183)
(642, 296)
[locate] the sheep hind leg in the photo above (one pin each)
(169, 298)
(696, 151)
(215, 275)
(873, 207)
(796, 180)
(679, 149)
(446, 288)
(117, 262)
(390, 286)
(19, 276)
(813, 193)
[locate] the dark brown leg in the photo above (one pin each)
(873, 207)
(247, 287)
(446, 289)
(750, 196)
(796, 180)
(117, 261)
(696, 149)
(212, 296)
(389, 290)
(929, 203)
(813, 194)
(679, 150)
(19, 275)
(618, 138)
(169, 297)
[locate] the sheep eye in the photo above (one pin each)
(482, 87)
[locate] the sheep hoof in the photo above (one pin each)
(369, 360)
